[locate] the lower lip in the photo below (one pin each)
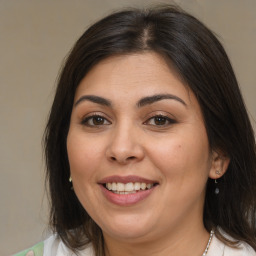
(126, 199)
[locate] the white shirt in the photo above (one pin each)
(218, 248)
(55, 247)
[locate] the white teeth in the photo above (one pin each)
(124, 192)
(113, 186)
(136, 186)
(143, 186)
(149, 186)
(128, 188)
(120, 186)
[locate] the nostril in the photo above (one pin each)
(124, 160)
(131, 158)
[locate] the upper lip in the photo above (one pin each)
(125, 179)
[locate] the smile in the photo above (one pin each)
(128, 188)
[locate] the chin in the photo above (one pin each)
(127, 227)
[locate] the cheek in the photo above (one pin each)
(83, 155)
(185, 155)
(170, 158)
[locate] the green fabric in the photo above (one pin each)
(37, 249)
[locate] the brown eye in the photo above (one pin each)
(98, 120)
(160, 120)
(95, 120)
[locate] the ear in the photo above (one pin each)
(219, 165)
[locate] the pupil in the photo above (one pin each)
(160, 120)
(98, 120)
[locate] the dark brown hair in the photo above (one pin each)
(199, 58)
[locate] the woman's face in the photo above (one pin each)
(138, 149)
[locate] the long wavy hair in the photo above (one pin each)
(199, 58)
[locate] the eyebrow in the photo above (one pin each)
(141, 103)
(94, 99)
(157, 97)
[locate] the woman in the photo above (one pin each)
(149, 148)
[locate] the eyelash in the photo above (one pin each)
(165, 118)
(91, 118)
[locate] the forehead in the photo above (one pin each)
(133, 74)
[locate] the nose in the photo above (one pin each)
(125, 146)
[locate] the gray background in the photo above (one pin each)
(35, 36)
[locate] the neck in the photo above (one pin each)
(187, 242)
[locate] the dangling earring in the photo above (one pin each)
(70, 180)
(217, 190)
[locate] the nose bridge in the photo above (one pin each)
(124, 145)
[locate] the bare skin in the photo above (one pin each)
(133, 117)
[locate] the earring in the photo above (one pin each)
(217, 190)
(70, 180)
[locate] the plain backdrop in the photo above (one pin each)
(35, 36)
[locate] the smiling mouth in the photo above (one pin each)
(128, 188)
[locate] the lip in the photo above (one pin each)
(126, 199)
(126, 179)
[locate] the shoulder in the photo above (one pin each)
(53, 246)
(243, 250)
(36, 250)
(217, 247)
